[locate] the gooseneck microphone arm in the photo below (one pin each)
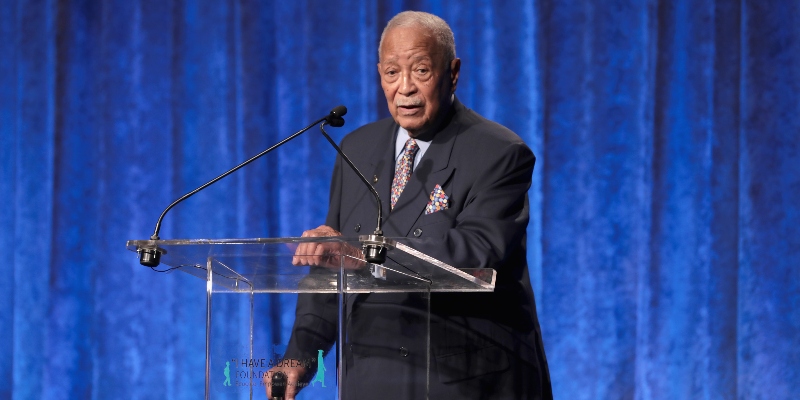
(378, 230)
(151, 256)
(374, 246)
(234, 169)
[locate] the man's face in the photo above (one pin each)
(416, 80)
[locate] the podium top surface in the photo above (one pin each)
(264, 265)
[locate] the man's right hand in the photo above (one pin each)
(327, 254)
(294, 376)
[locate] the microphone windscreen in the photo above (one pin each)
(339, 111)
(335, 122)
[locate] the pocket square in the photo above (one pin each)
(438, 201)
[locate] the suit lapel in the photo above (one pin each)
(382, 167)
(433, 169)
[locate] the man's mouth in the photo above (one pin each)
(408, 109)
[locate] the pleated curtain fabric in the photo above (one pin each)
(663, 242)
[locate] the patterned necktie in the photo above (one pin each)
(403, 169)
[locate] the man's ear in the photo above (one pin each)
(455, 68)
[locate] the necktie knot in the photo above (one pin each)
(411, 149)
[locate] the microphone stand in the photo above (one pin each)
(151, 257)
(374, 245)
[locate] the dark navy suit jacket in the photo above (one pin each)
(484, 345)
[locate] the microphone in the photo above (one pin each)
(279, 383)
(374, 245)
(335, 117)
(151, 256)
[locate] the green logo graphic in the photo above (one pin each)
(227, 373)
(320, 376)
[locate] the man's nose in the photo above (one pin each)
(407, 85)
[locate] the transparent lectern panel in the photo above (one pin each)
(268, 314)
(387, 346)
(249, 345)
(265, 266)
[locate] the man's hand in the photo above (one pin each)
(327, 254)
(294, 377)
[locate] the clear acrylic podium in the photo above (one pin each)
(238, 356)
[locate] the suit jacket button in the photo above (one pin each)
(357, 227)
(374, 178)
(404, 352)
(418, 232)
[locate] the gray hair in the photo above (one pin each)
(437, 26)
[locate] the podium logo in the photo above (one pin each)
(227, 373)
(320, 376)
(253, 371)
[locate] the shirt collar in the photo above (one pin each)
(400, 143)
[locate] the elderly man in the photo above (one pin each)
(456, 185)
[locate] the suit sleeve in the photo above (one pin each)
(335, 199)
(316, 315)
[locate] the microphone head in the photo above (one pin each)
(339, 112)
(335, 117)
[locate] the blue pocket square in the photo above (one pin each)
(438, 201)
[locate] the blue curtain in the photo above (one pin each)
(664, 240)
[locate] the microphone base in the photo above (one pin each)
(375, 247)
(374, 254)
(150, 257)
